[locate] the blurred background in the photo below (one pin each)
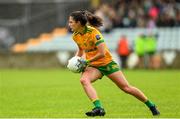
(140, 33)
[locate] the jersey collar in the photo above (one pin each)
(84, 31)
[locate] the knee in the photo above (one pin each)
(84, 81)
(127, 89)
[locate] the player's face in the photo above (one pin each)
(74, 26)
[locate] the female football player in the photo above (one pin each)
(99, 61)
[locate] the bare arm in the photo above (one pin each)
(79, 52)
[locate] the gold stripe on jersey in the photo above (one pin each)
(74, 34)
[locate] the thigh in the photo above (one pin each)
(91, 74)
(119, 79)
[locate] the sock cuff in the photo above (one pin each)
(149, 103)
(95, 100)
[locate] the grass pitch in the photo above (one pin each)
(57, 93)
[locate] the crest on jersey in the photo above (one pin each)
(98, 37)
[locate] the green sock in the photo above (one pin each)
(97, 103)
(149, 103)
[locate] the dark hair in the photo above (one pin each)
(85, 16)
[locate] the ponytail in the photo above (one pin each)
(85, 16)
(93, 20)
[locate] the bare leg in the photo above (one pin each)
(90, 75)
(119, 79)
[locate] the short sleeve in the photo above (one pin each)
(98, 38)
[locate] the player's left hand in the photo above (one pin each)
(84, 63)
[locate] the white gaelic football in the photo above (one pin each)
(74, 65)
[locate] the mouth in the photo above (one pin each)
(70, 29)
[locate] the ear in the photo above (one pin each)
(78, 22)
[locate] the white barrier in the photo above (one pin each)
(168, 38)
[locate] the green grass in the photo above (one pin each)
(58, 93)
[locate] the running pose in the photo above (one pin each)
(99, 61)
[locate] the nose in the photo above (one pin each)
(69, 24)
